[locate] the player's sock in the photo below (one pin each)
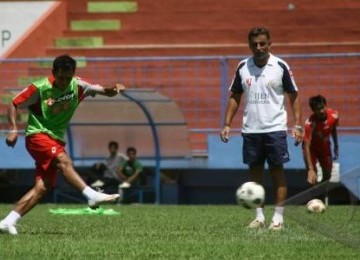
(12, 218)
(89, 193)
(260, 214)
(278, 215)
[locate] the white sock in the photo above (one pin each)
(260, 214)
(89, 193)
(278, 215)
(12, 218)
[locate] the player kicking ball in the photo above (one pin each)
(51, 102)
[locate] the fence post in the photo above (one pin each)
(157, 182)
(224, 72)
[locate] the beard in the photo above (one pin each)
(261, 57)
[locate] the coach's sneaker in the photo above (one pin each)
(5, 228)
(102, 198)
(276, 226)
(257, 223)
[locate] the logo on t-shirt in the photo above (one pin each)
(248, 82)
(65, 97)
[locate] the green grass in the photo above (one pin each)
(177, 232)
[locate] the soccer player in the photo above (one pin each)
(264, 79)
(51, 102)
(319, 127)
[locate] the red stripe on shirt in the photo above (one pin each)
(28, 98)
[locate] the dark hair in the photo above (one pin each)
(131, 149)
(64, 62)
(256, 31)
(113, 143)
(315, 101)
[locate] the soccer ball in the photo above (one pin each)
(315, 206)
(250, 195)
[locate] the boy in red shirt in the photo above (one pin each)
(316, 144)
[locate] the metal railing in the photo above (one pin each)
(199, 84)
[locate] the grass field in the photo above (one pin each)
(182, 232)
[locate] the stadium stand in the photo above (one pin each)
(204, 27)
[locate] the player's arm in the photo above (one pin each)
(112, 91)
(335, 141)
(89, 89)
(311, 173)
(231, 109)
(12, 135)
(296, 109)
(233, 103)
(24, 99)
(291, 89)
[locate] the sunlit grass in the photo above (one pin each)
(177, 232)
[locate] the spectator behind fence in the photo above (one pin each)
(105, 174)
(130, 174)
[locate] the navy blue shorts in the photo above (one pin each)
(270, 147)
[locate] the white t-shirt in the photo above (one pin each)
(264, 90)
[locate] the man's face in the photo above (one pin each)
(320, 112)
(260, 47)
(113, 150)
(63, 78)
(131, 155)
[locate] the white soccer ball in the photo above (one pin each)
(315, 206)
(250, 195)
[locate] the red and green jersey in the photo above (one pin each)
(51, 109)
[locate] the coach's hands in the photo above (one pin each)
(224, 135)
(11, 138)
(297, 133)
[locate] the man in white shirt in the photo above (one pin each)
(264, 79)
(107, 172)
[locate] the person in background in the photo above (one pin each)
(107, 172)
(319, 128)
(130, 172)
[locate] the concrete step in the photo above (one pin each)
(314, 35)
(232, 5)
(95, 25)
(194, 19)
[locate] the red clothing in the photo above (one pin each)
(44, 150)
(318, 134)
